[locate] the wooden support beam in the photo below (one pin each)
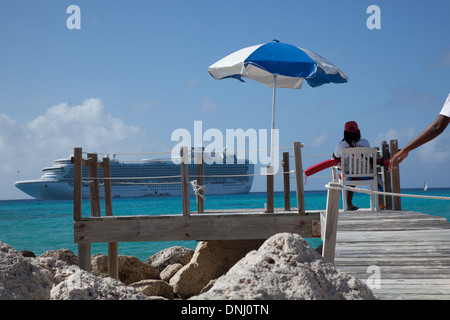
(200, 179)
(77, 182)
(84, 256)
(84, 249)
(94, 188)
(299, 178)
(107, 186)
(195, 227)
(113, 260)
(113, 247)
(329, 223)
(185, 181)
(286, 182)
(387, 177)
(396, 177)
(270, 190)
(380, 174)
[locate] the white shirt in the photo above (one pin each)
(446, 108)
(344, 145)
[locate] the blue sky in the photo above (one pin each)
(137, 70)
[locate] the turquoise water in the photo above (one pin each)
(48, 225)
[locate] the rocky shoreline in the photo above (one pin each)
(283, 267)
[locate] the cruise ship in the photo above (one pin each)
(145, 178)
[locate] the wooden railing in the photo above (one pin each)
(215, 225)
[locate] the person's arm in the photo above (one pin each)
(431, 132)
(337, 152)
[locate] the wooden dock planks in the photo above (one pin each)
(411, 250)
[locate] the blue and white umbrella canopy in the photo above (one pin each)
(290, 64)
(277, 65)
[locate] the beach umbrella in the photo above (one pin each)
(277, 65)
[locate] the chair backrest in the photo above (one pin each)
(359, 162)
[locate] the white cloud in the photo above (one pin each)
(408, 96)
(12, 138)
(192, 84)
(87, 125)
(318, 139)
(142, 106)
(402, 136)
(208, 106)
(442, 60)
(445, 62)
(29, 147)
(434, 152)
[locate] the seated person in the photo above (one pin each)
(352, 139)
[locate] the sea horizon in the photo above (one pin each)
(41, 225)
(250, 192)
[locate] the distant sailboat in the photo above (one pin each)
(425, 186)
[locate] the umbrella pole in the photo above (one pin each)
(273, 118)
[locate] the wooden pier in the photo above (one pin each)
(225, 225)
(402, 254)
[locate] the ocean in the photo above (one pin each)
(38, 225)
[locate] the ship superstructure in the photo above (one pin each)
(145, 178)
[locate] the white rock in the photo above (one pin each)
(152, 288)
(169, 271)
(19, 278)
(82, 285)
(172, 255)
(131, 269)
(286, 268)
(211, 259)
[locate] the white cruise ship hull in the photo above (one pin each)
(161, 178)
(53, 190)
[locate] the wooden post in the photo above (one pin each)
(299, 178)
(113, 260)
(84, 256)
(387, 176)
(185, 181)
(77, 182)
(381, 205)
(84, 249)
(286, 182)
(94, 189)
(200, 179)
(270, 187)
(329, 224)
(113, 247)
(107, 186)
(396, 177)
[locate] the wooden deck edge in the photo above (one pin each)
(212, 226)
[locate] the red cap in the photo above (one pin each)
(351, 126)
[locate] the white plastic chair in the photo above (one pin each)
(360, 168)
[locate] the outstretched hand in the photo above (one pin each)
(397, 158)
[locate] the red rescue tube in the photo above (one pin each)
(333, 162)
(321, 166)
